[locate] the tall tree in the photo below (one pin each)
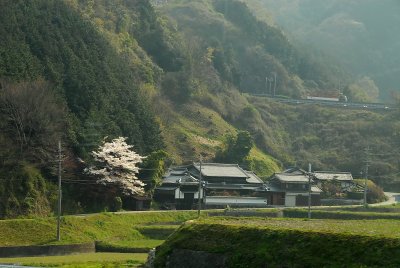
(33, 115)
(117, 165)
(237, 148)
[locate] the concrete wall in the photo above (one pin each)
(49, 250)
(184, 258)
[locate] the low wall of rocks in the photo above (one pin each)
(48, 250)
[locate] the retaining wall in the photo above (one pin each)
(48, 250)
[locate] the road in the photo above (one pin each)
(393, 198)
(344, 105)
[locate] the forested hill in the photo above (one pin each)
(63, 79)
(174, 76)
(246, 51)
(362, 34)
(49, 40)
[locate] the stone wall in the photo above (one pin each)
(48, 250)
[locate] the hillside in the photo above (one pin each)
(175, 76)
(257, 242)
(361, 35)
(245, 51)
(64, 80)
(329, 138)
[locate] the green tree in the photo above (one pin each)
(236, 148)
(363, 90)
(152, 169)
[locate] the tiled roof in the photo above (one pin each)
(275, 188)
(253, 178)
(315, 189)
(340, 176)
(188, 179)
(163, 188)
(172, 178)
(283, 177)
(221, 170)
(295, 171)
(232, 186)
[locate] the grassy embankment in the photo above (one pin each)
(90, 260)
(256, 242)
(135, 232)
(106, 227)
(339, 213)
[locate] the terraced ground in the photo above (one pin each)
(261, 242)
(248, 239)
(123, 240)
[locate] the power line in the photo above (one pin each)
(367, 163)
(59, 191)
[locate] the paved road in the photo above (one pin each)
(393, 198)
(344, 105)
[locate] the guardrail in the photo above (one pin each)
(350, 105)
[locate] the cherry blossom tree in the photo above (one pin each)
(117, 165)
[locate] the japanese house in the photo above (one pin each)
(221, 185)
(291, 188)
(344, 179)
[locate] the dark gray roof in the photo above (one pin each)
(231, 186)
(340, 176)
(188, 179)
(164, 188)
(295, 171)
(221, 170)
(253, 178)
(172, 178)
(275, 188)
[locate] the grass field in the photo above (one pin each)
(261, 242)
(130, 232)
(138, 232)
(93, 260)
(97, 227)
(376, 228)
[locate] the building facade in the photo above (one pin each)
(222, 185)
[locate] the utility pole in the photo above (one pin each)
(200, 182)
(367, 162)
(59, 191)
(309, 191)
(274, 73)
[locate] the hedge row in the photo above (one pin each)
(341, 215)
(253, 246)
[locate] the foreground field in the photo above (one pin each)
(130, 232)
(260, 242)
(375, 228)
(339, 237)
(94, 260)
(105, 227)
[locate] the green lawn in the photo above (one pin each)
(381, 228)
(97, 227)
(272, 242)
(130, 232)
(92, 260)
